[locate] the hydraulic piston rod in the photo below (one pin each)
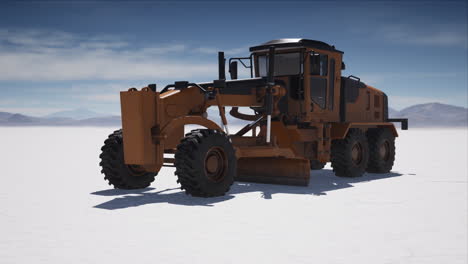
(269, 94)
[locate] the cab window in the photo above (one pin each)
(285, 64)
(318, 80)
(318, 64)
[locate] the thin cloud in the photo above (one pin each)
(103, 93)
(204, 50)
(379, 78)
(31, 111)
(25, 38)
(211, 50)
(449, 35)
(59, 56)
(4, 102)
(103, 45)
(107, 97)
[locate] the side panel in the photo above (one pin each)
(362, 103)
(139, 115)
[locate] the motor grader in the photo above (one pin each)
(304, 114)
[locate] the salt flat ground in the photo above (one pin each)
(56, 208)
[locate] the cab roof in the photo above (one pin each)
(295, 43)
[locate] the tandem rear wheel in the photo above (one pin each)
(381, 150)
(358, 152)
(349, 156)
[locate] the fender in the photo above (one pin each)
(340, 130)
(188, 120)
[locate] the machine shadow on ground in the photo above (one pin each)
(321, 182)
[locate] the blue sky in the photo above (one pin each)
(56, 56)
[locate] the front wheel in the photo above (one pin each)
(205, 163)
(120, 175)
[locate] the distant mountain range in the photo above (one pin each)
(76, 117)
(433, 115)
(78, 114)
(421, 115)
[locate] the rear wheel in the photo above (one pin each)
(205, 163)
(120, 175)
(381, 150)
(349, 156)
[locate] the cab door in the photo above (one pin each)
(320, 86)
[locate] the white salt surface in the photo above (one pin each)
(56, 208)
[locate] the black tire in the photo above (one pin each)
(120, 175)
(205, 163)
(381, 150)
(316, 165)
(349, 156)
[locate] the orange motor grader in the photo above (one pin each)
(304, 114)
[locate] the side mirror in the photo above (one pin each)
(343, 66)
(233, 70)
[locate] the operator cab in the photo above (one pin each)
(308, 69)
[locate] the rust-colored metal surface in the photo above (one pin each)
(139, 116)
(339, 130)
(303, 122)
(274, 170)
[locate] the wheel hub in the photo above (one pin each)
(384, 150)
(215, 164)
(356, 154)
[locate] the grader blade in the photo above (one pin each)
(274, 170)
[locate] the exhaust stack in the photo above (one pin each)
(221, 66)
